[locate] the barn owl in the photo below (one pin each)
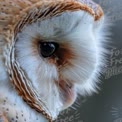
(51, 51)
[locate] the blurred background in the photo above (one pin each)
(106, 106)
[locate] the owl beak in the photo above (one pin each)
(68, 93)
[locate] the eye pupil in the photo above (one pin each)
(48, 48)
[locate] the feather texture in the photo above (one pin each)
(48, 85)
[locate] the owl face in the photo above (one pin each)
(59, 55)
(54, 52)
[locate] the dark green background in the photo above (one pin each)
(106, 106)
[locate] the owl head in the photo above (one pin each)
(53, 51)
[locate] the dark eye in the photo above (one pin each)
(47, 49)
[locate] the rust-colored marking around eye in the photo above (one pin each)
(63, 56)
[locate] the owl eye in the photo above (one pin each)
(47, 49)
